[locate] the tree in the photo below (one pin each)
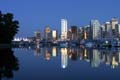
(8, 63)
(8, 27)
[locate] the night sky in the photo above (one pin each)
(36, 14)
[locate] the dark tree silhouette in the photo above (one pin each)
(8, 27)
(8, 63)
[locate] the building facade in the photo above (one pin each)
(54, 34)
(114, 22)
(48, 33)
(74, 31)
(108, 30)
(95, 29)
(63, 29)
(117, 31)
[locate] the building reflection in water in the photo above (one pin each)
(112, 57)
(95, 62)
(73, 53)
(8, 63)
(86, 55)
(64, 58)
(119, 56)
(114, 62)
(54, 51)
(47, 53)
(37, 52)
(94, 56)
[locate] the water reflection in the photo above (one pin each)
(72, 53)
(54, 51)
(37, 51)
(95, 57)
(8, 63)
(111, 57)
(64, 58)
(48, 53)
(95, 60)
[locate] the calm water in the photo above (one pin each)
(59, 64)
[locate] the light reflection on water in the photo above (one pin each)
(72, 63)
(94, 56)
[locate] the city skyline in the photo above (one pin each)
(92, 31)
(37, 14)
(59, 39)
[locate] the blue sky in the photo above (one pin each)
(36, 14)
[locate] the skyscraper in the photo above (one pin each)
(38, 35)
(114, 22)
(48, 34)
(108, 30)
(95, 29)
(69, 34)
(86, 32)
(103, 31)
(117, 31)
(37, 38)
(74, 32)
(63, 29)
(54, 34)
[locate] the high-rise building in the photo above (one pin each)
(37, 38)
(69, 34)
(86, 32)
(63, 29)
(74, 32)
(48, 33)
(113, 22)
(54, 34)
(95, 29)
(38, 35)
(108, 30)
(102, 31)
(81, 33)
(117, 31)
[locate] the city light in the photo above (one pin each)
(64, 57)
(54, 34)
